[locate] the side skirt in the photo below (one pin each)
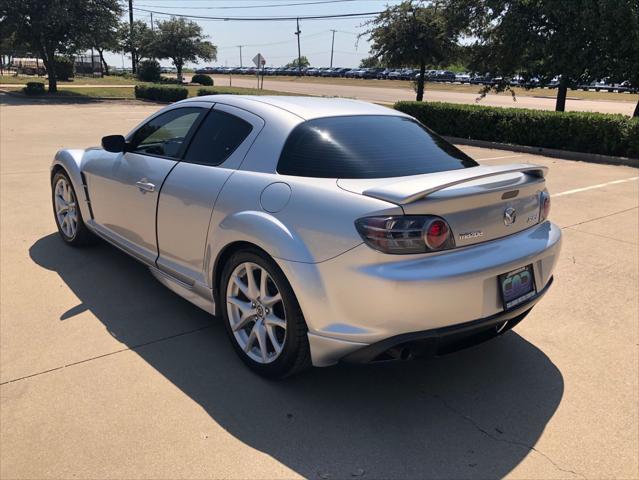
(196, 294)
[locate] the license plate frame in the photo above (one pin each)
(517, 286)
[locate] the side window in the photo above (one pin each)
(165, 134)
(217, 138)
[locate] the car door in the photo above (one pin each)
(124, 189)
(189, 192)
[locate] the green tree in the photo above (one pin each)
(182, 41)
(413, 33)
(303, 63)
(53, 27)
(104, 35)
(136, 39)
(546, 39)
(619, 43)
(8, 46)
(370, 62)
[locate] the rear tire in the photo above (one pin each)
(66, 212)
(262, 316)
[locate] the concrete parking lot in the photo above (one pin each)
(106, 374)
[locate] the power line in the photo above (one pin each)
(226, 7)
(259, 19)
(269, 44)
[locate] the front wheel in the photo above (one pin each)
(66, 212)
(262, 316)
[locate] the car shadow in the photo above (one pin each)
(473, 414)
(16, 98)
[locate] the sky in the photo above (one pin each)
(275, 40)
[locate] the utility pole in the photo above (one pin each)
(131, 35)
(240, 47)
(299, 54)
(332, 45)
(152, 28)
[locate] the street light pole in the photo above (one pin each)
(131, 35)
(332, 45)
(299, 54)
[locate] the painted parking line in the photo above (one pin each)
(592, 187)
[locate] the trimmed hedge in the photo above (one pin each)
(170, 81)
(34, 88)
(160, 93)
(598, 133)
(209, 91)
(149, 71)
(202, 80)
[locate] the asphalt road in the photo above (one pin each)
(106, 374)
(380, 94)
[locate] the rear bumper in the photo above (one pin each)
(364, 297)
(440, 341)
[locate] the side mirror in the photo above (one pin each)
(114, 143)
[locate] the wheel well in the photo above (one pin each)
(223, 257)
(56, 169)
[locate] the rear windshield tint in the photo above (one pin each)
(362, 146)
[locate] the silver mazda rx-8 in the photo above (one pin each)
(319, 230)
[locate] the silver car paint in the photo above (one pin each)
(188, 197)
(123, 211)
(338, 280)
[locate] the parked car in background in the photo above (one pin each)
(407, 74)
(205, 70)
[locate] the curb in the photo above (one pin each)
(548, 152)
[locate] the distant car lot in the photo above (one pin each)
(147, 385)
(407, 74)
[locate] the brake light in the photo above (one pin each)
(406, 233)
(436, 234)
(544, 206)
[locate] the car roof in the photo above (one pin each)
(304, 107)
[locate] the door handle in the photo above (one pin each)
(145, 186)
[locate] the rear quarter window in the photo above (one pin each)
(367, 146)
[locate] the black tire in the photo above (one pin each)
(295, 355)
(82, 235)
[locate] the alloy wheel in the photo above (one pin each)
(256, 312)
(66, 208)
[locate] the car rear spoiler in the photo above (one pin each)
(406, 191)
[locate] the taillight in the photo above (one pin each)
(436, 234)
(544, 206)
(406, 233)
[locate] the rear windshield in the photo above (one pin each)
(365, 146)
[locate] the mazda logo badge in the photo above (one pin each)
(510, 215)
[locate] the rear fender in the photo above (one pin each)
(70, 160)
(277, 240)
(258, 228)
